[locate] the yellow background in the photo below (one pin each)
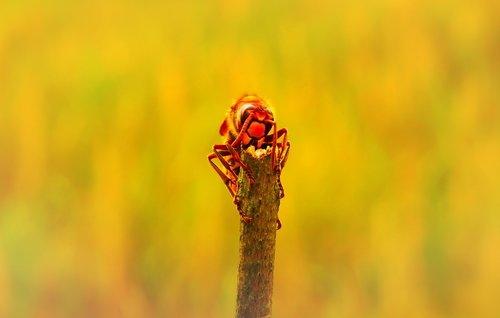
(109, 208)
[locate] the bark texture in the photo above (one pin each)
(258, 238)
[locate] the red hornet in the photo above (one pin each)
(249, 122)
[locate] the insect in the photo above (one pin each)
(249, 122)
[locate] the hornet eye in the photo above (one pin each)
(245, 111)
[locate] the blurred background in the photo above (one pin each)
(109, 208)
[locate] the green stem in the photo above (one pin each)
(259, 201)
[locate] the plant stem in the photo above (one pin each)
(259, 201)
